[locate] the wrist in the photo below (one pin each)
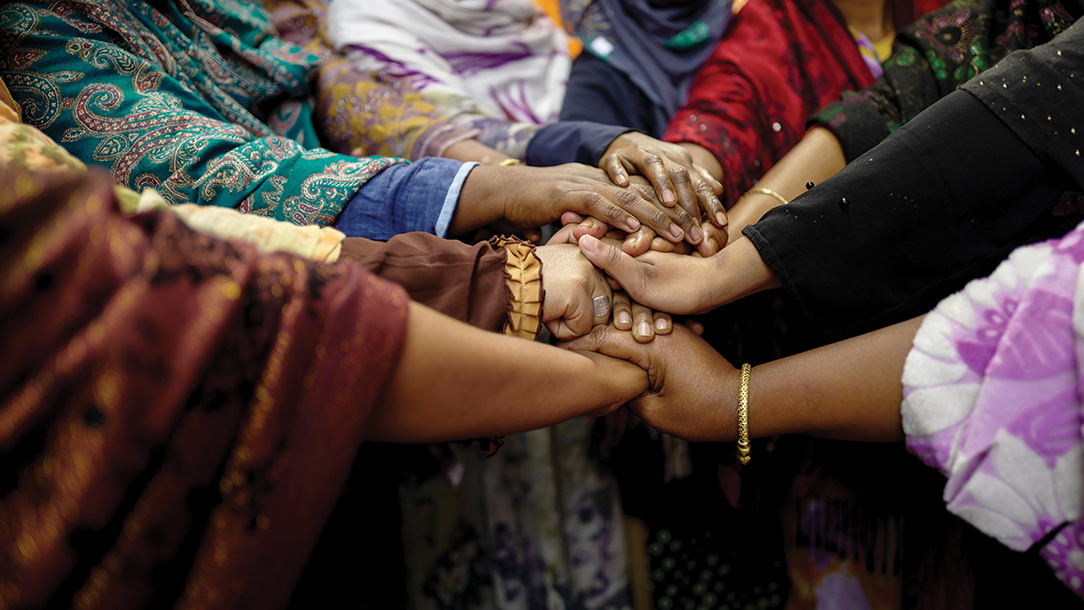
(738, 271)
(481, 200)
(625, 139)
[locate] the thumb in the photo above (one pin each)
(617, 264)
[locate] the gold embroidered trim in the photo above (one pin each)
(523, 279)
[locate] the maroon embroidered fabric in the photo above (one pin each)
(781, 61)
(178, 414)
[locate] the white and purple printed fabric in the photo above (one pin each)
(505, 55)
(993, 399)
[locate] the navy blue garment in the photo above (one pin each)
(599, 92)
(571, 142)
(657, 46)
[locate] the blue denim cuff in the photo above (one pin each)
(419, 196)
(451, 200)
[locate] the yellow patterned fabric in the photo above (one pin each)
(372, 113)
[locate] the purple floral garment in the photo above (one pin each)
(992, 398)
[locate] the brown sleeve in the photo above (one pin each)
(458, 280)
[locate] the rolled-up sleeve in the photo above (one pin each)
(421, 196)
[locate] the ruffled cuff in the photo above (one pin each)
(523, 280)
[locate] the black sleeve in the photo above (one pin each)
(571, 142)
(940, 202)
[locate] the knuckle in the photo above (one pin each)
(627, 197)
(660, 218)
(613, 255)
(679, 174)
(653, 160)
(704, 189)
(613, 214)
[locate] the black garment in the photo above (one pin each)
(941, 201)
(599, 93)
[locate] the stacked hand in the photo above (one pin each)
(686, 191)
(578, 297)
(690, 384)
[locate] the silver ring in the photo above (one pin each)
(602, 306)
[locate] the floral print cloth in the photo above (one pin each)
(993, 399)
(535, 527)
(375, 113)
(194, 98)
(937, 54)
(504, 54)
(495, 67)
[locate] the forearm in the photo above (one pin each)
(481, 200)
(455, 382)
(847, 390)
(737, 271)
(473, 150)
(817, 156)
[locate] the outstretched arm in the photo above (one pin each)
(848, 390)
(454, 381)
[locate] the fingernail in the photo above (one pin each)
(589, 243)
(643, 329)
(719, 216)
(695, 234)
(622, 179)
(676, 231)
(668, 197)
(633, 224)
(662, 324)
(623, 318)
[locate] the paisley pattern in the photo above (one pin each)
(993, 400)
(194, 98)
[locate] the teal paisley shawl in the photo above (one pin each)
(195, 98)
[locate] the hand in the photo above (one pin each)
(643, 322)
(616, 378)
(644, 239)
(670, 169)
(680, 284)
(692, 391)
(571, 284)
(534, 196)
(664, 281)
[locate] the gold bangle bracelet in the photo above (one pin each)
(510, 161)
(769, 192)
(743, 415)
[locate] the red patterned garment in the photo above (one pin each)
(781, 61)
(178, 414)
